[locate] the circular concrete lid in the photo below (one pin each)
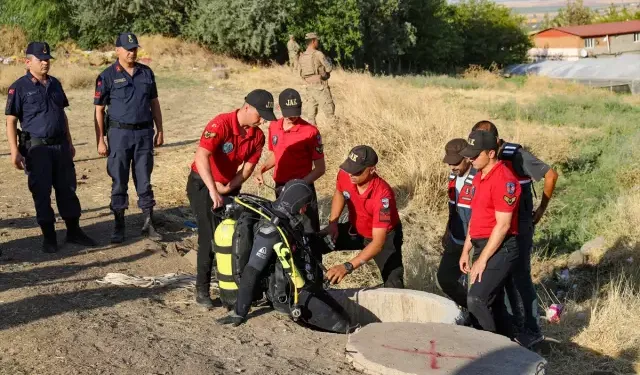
(436, 348)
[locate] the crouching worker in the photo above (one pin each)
(374, 224)
(283, 262)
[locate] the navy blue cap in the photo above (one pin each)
(40, 50)
(127, 41)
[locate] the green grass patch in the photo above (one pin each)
(599, 170)
(449, 82)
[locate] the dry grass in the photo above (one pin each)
(408, 125)
(12, 41)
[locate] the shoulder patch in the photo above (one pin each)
(209, 135)
(510, 200)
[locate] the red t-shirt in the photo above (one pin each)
(499, 190)
(229, 149)
(294, 149)
(375, 208)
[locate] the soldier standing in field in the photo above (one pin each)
(315, 70)
(294, 50)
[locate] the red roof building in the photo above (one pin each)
(574, 42)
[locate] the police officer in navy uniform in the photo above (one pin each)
(129, 91)
(45, 149)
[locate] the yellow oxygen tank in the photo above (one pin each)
(223, 240)
(284, 255)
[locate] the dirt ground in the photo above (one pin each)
(56, 319)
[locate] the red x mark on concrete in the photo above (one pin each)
(432, 354)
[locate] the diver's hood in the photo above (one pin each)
(295, 195)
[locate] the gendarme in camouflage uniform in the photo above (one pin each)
(294, 50)
(315, 70)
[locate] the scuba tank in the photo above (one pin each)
(223, 240)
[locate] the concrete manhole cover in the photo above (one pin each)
(436, 348)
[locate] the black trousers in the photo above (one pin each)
(312, 210)
(485, 299)
(389, 260)
(201, 205)
(52, 166)
(449, 274)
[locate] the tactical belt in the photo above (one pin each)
(139, 126)
(46, 141)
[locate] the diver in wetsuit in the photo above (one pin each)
(292, 265)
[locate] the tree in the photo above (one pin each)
(575, 13)
(337, 23)
(241, 28)
(48, 21)
(490, 33)
(100, 21)
(546, 22)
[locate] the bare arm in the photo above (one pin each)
(269, 163)
(337, 205)
(241, 176)
(319, 168)
(372, 249)
(550, 179)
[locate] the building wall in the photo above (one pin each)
(558, 43)
(619, 44)
(557, 39)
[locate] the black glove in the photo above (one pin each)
(232, 318)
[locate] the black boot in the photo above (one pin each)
(148, 228)
(50, 242)
(203, 298)
(118, 229)
(76, 235)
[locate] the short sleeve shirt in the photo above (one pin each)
(128, 98)
(526, 164)
(294, 149)
(498, 190)
(38, 107)
(375, 208)
(229, 147)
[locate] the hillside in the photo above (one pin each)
(57, 320)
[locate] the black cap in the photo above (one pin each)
(479, 140)
(360, 157)
(452, 151)
(40, 50)
(127, 41)
(262, 100)
(290, 103)
(294, 195)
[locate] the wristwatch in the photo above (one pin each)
(348, 266)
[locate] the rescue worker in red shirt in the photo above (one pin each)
(459, 191)
(229, 141)
(374, 224)
(296, 151)
(492, 233)
(521, 293)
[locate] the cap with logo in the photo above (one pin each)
(479, 140)
(452, 151)
(40, 50)
(309, 36)
(127, 41)
(360, 157)
(262, 101)
(290, 103)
